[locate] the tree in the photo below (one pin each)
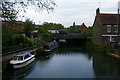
(46, 35)
(52, 25)
(10, 8)
(28, 26)
(22, 41)
(73, 29)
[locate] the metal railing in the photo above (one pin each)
(70, 35)
(11, 50)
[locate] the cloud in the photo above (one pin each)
(69, 11)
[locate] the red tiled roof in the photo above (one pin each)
(83, 26)
(109, 18)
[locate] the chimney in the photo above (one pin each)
(97, 11)
(74, 24)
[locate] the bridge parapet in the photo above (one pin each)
(69, 35)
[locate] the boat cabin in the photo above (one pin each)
(22, 56)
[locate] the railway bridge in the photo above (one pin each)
(71, 38)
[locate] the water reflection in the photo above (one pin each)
(74, 50)
(106, 66)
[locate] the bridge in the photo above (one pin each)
(70, 36)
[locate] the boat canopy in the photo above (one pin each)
(23, 54)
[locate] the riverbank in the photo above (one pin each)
(114, 55)
(104, 49)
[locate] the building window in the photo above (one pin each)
(108, 28)
(115, 28)
(110, 39)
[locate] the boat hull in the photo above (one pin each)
(52, 48)
(15, 66)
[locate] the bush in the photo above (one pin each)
(104, 48)
(23, 41)
(39, 45)
(98, 48)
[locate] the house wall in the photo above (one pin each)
(97, 31)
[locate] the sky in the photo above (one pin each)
(68, 11)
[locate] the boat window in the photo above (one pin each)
(20, 58)
(30, 54)
(15, 58)
(26, 56)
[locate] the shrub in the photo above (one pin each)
(22, 41)
(39, 45)
(98, 48)
(104, 48)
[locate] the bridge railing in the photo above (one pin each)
(15, 49)
(70, 35)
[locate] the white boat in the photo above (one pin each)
(22, 59)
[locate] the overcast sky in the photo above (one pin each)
(69, 11)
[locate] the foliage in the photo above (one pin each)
(8, 36)
(12, 7)
(46, 35)
(22, 41)
(88, 31)
(8, 13)
(39, 43)
(28, 26)
(73, 29)
(52, 25)
(11, 37)
(104, 48)
(98, 48)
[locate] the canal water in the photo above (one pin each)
(68, 62)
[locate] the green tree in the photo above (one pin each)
(22, 41)
(8, 36)
(52, 25)
(12, 7)
(28, 26)
(46, 35)
(88, 32)
(73, 29)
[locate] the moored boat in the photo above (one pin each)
(22, 59)
(50, 46)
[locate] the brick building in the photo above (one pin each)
(105, 28)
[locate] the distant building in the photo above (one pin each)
(14, 25)
(58, 31)
(81, 27)
(105, 28)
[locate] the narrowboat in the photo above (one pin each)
(50, 46)
(22, 59)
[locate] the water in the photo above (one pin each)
(68, 62)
